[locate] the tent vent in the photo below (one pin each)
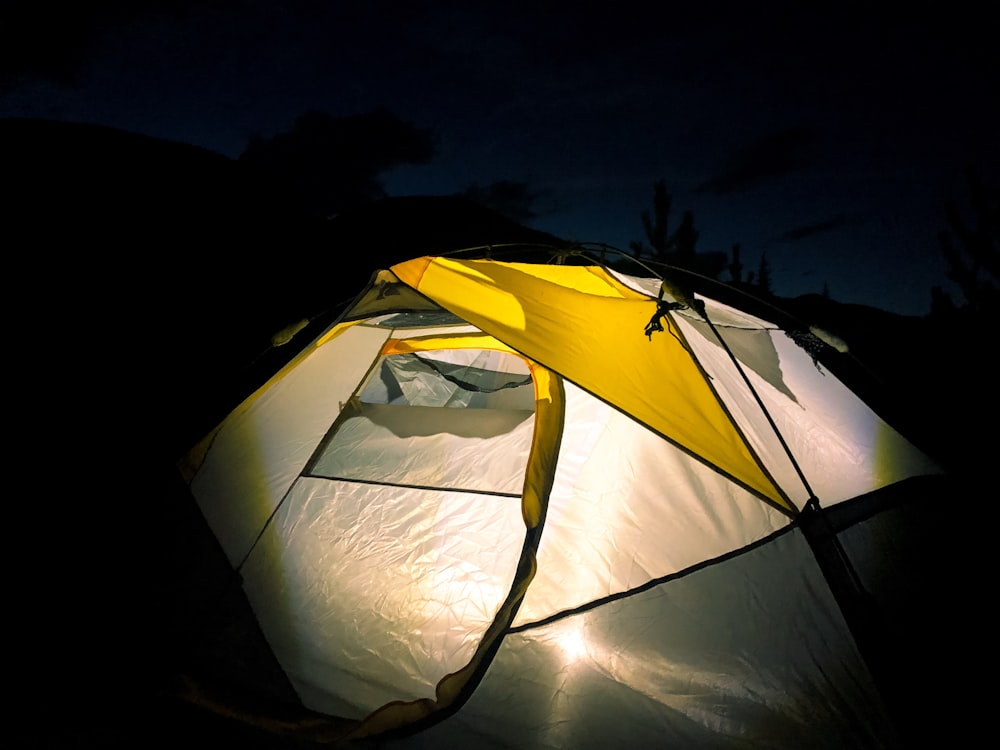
(420, 319)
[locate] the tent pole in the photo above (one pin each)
(862, 614)
(859, 608)
(699, 307)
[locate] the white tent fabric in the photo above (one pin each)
(841, 445)
(352, 640)
(606, 531)
(705, 661)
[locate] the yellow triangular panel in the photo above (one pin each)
(588, 327)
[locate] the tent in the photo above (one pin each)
(558, 505)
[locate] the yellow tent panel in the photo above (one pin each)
(588, 327)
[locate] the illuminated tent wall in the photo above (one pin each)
(489, 507)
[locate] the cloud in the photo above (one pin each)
(808, 230)
(771, 155)
(54, 41)
(334, 163)
(514, 199)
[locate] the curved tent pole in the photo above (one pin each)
(858, 606)
(699, 307)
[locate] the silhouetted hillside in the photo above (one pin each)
(138, 240)
(160, 257)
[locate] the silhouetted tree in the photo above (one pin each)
(764, 276)
(942, 305)
(678, 248)
(974, 262)
(656, 224)
(512, 199)
(683, 241)
(334, 163)
(735, 266)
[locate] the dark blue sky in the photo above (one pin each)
(829, 137)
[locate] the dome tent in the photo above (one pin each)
(555, 505)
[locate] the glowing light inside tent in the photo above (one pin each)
(573, 644)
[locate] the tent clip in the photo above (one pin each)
(662, 308)
(812, 504)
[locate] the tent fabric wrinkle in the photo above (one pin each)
(484, 508)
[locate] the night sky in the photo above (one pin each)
(829, 136)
